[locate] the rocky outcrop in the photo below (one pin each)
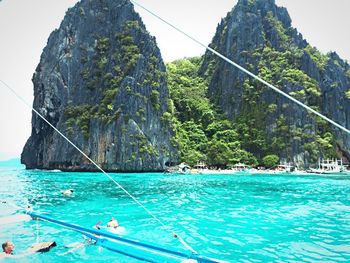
(101, 81)
(258, 35)
(335, 89)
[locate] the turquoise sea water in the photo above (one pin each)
(240, 218)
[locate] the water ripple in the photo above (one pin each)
(235, 218)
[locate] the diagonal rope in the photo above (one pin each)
(99, 168)
(243, 69)
(37, 231)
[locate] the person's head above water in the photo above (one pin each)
(113, 223)
(8, 247)
(67, 192)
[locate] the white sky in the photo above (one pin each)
(25, 27)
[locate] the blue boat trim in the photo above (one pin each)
(108, 239)
(101, 242)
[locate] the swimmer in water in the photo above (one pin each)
(8, 248)
(113, 223)
(67, 192)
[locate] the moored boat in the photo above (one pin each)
(329, 166)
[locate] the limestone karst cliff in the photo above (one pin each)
(101, 81)
(258, 35)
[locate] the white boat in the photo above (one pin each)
(329, 166)
(282, 168)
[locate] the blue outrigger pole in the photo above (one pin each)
(134, 248)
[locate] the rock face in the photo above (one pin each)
(101, 81)
(258, 35)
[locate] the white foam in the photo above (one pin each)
(14, 219)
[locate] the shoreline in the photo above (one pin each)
(257, 172)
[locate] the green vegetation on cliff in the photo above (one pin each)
(203, 134)
(258, 35)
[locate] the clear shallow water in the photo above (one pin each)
(241, 218)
